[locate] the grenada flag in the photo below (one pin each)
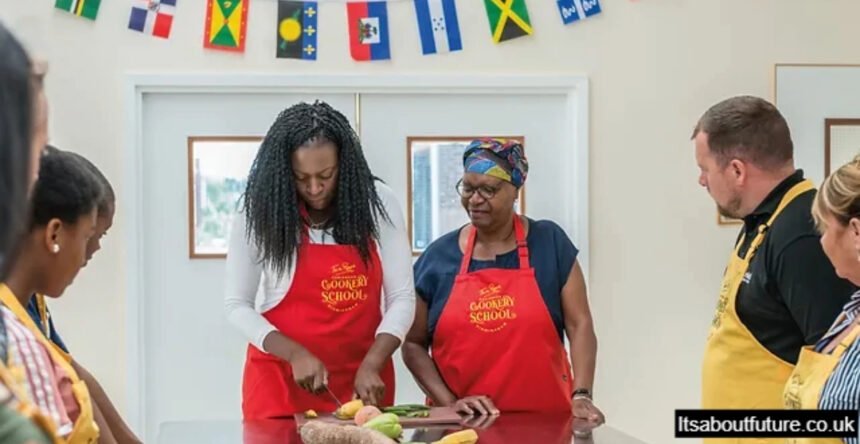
(226, 23)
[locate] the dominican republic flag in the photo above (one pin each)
(438, 26)
(575, 10)
(368, 31)
(152, 17)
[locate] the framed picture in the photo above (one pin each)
(434, 166)
(723, 220)
(841, 143)
(217, 173)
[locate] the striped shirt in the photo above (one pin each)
(42, 379)
(842, 389)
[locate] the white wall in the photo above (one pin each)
(654, 66)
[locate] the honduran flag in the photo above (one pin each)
(368, 30)
(152, 17)
(438, 26)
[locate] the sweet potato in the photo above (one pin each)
(365, 414)
(318, 432)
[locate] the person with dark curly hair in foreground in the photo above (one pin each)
(326, 237)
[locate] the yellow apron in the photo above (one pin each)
(12, 380)
(85, 429)
(803, 390)
(738, 372)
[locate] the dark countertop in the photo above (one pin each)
(507, 428)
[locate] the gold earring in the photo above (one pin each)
(55, 249)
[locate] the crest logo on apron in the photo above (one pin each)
(791, 396)
(345, 289)
(722, 303)
(492, 310)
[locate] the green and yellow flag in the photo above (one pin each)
(226, 23)
(509, 19)
(84, 8)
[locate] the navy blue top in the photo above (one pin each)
(33, 311)
(551, 254)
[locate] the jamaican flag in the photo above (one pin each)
(509, 19)
(297, 30)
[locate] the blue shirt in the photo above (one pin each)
(842, 389)
(551, 254)
(33, 311)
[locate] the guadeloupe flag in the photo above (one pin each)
(297, 30)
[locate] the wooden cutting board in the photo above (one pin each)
(438, 415)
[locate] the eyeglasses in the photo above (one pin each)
(465, 191)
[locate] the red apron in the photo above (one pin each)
(333, 309)
(495, 338)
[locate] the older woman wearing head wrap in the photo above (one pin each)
(496, 298)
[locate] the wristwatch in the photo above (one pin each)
(582, 393)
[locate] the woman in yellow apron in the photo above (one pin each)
(116, 429)
(21, 421)
(826, 374)
(62, 220)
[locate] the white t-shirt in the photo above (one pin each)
(244, 273)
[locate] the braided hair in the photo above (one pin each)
(271, 201)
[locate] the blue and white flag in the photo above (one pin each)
(575, 10)
(438, 26)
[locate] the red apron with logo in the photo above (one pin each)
(333, 309)
(495, 337)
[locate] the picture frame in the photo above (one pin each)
(218, 167)
(434, 164)
(724, 220)
(841, 142)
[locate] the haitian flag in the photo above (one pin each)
(368, 31)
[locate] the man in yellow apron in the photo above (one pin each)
(779, 292)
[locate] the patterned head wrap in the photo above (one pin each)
(500, 158)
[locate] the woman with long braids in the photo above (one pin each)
(328, 240)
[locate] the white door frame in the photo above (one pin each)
(575, 87)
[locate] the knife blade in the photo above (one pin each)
(337, 401)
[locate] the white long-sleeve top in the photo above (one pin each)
(247, 297)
